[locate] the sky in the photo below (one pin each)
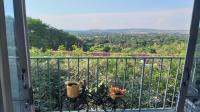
(112, 14)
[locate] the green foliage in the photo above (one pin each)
(77, 51)
(44, 37)
(49, 76)
(39, 52)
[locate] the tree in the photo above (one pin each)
(45, 37)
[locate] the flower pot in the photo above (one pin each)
(72, 89)
(114, 96)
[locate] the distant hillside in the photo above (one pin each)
(44, 36)
(132, 31)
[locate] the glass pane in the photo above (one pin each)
(12, 53)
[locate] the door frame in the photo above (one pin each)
(23, 53)
(5, 88)
(22, 44)
(189, 56)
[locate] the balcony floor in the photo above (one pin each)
(134, 110)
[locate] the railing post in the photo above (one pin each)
(133, 78)
(150, 81)
(59, 84)
(78, 74)
(141, 82)
(174, 90)
(49, 84)
(88, 72)
(116, 70)
(166, 87)
(125, 73)
(158, 84)
(107, 63)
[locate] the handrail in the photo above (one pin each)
(106, 57)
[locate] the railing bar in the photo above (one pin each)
(97, 72)
(48, 67)
(179, 63)
(181, 73)
(194, 70)
(166, 88)
(150, 81)
(78, 69)
(110, 57)
(68, 68)
(158, 84)
(68, 77)
(97, 76)
(107, 64)
(38, 74)
(141, 83)
(88, 72)
(133, 77)
(88, 77)
(59, 83)
(116, 70)
(125, 73)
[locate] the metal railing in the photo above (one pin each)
(151, 82)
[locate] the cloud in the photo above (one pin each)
(160, 19)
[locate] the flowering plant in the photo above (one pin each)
(117, 91)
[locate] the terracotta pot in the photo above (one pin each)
(114, 96)
(72, 89)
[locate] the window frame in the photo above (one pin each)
(189, 56)
(5, 89)
(25, 104)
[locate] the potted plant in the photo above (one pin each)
(72, 89)
(116, 92)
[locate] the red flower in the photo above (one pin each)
(117, 91)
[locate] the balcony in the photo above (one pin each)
(151, 83)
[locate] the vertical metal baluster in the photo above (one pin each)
(68, 68)
(97, 76)
(181, 73)
(116, 70)
(88, 77)
(88, 72)
(150, 81)
(78, 69)
(68, 62)
(97, 73)
(168, 75)
(107, 71)
(38, 74)
(125, 73)
(48, 67)
(68, 75)
(194, 70)
(179, 80)
(141, 83)
(179, 63)
(158, 84)
(133, 77)
(59, 84)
